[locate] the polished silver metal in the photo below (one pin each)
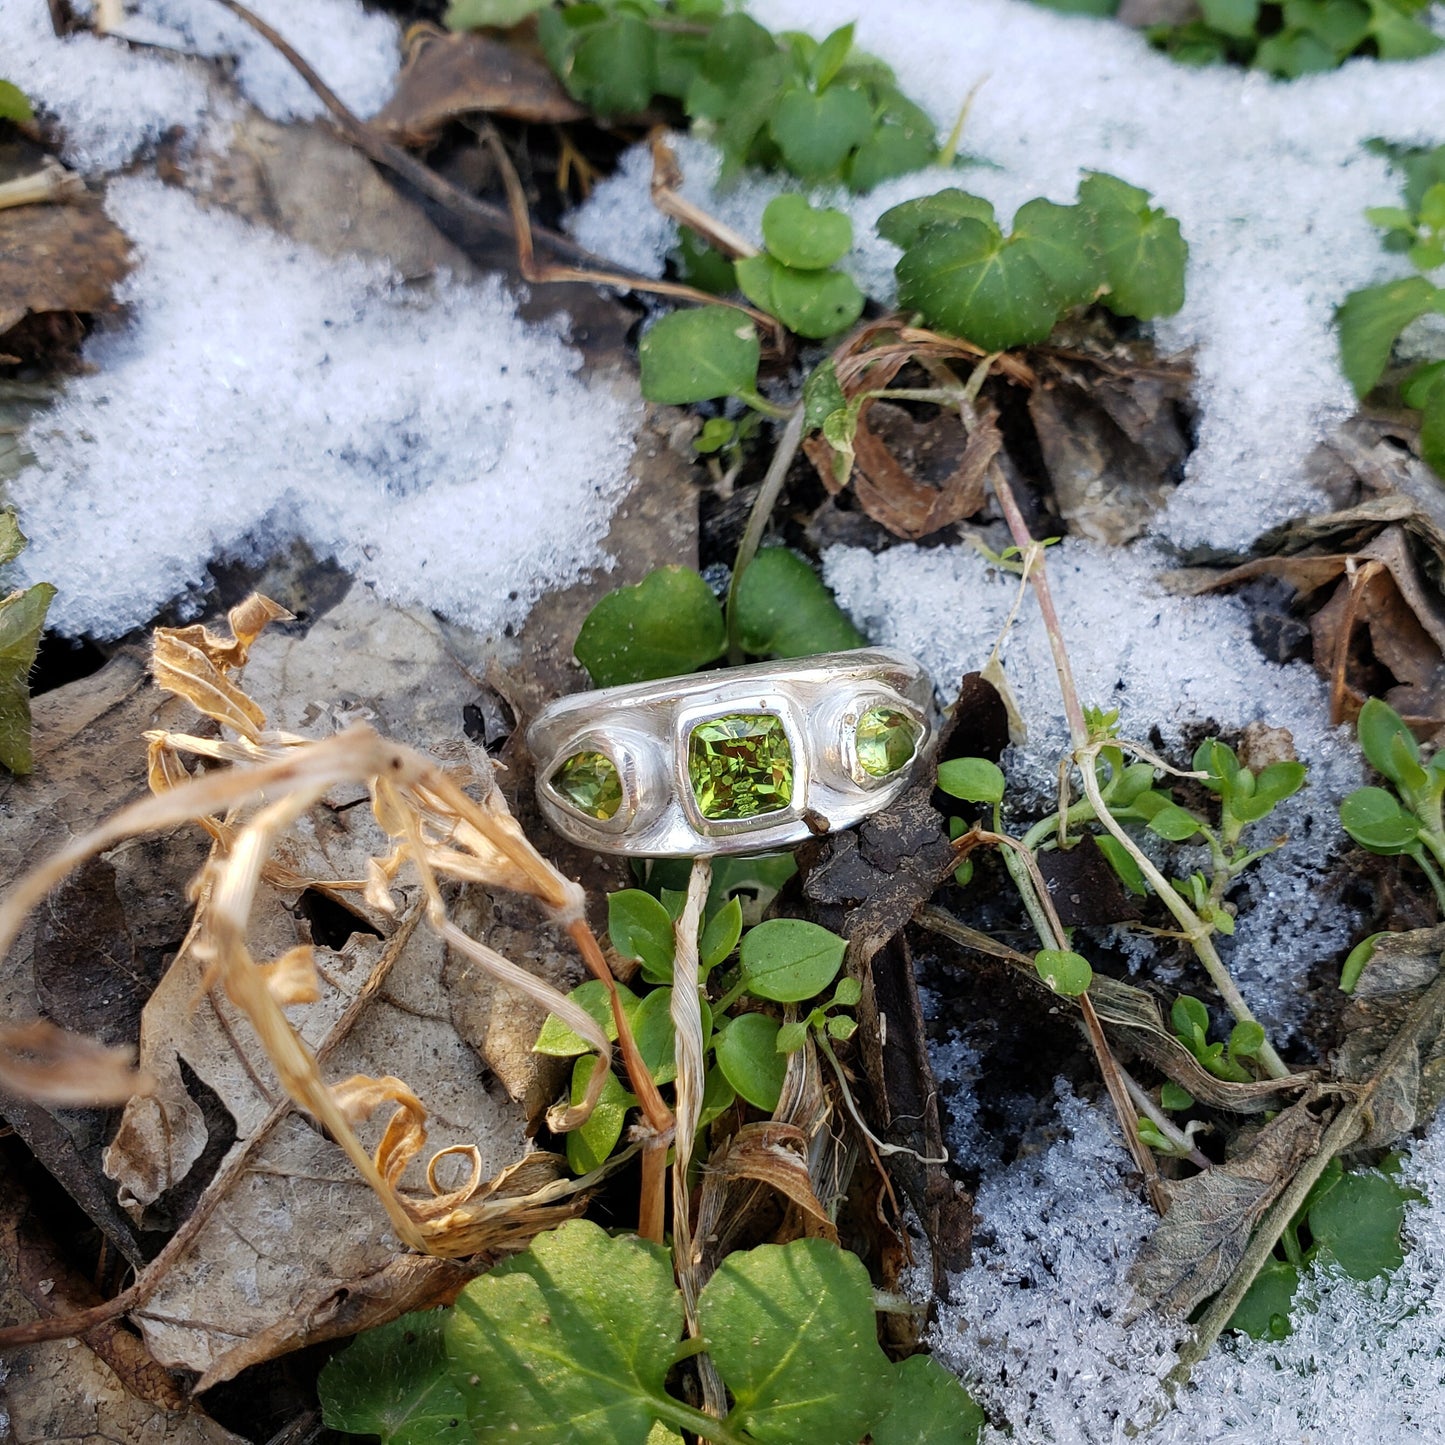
(645, 728)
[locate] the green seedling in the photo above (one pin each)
(1351, 1221)
(819, 109)
(1190, 1021)
(794, 278)
(577, 1340)
(780, 961)
(965, 277)
(1407, 817)
(670, 623)
(1299, 37)
(1371, 320)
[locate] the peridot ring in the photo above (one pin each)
(740, 761)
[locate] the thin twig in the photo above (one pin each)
(767, 498)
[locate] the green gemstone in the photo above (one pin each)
(590, 782)
(740, 766)
(886, 740)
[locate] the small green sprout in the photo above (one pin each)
(1406, 818)
(1190, 1021)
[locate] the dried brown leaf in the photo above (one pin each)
(59, 258)
(449, 76)
(1199, 1243)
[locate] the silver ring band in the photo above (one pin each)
(744, 760)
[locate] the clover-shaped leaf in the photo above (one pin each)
(805, 236)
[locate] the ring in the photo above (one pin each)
(739, 761)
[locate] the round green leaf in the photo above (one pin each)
(614, 67)
(816, 304)
(789, 960)
(804, 236)
(816, 132)
(570, 1342)
(1375, 820)
(1246, 1039)
(791, 1037)
(1370, 322)
(1057, 239)
(1065, 972)
(559, 1041)
(1382, 733)
(668, 624)
(699, 355)
(906, 222)
(791, 1330)
(894, 149)
(975, 780)
(1358, 1222)
(930, 1407)
(784, 610)
(396, 1381)
(1263, 1313)
(1174, 823)
(640, 928)
(657, 1037)
(968, 281)
(1142, 250)
(749, 1059)
(1172, 1097)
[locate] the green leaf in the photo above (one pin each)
(815, 304)
(668, 624)
(755, 280)
(1279, 781)
(1121, 860)
(1057, 238)
(640, 928)
(1358, 959)
(1374, 819)
(395, 1381)
(1174, 1098)
(558, 1040)
(748, 1056)
(717, 1095)
(791, 1330)
(848, 993)
(614, 66)
(968, 281)
(1390, 218)
(1370, 322)
(789, 960)
(589, 1145)
(702, 266)
(840, 1026)
(1246, 1039)
(815, 133)
(1238, 18)
(656, 1037)
(1381, 730)
(1432, 429)
(1219, 761)
(1342, 25)
(1398, 36)
(791, 1037)
(828, 61)
(975, 780)
(804, 236)
(1065, 972)
(894, 149)
(784, 610)
(930, 1407)
(12, 539)
(1292, 53)
(822, 395)
(570, 1341)
(14, 103)
(699, 355)
(1263, 1313)
(493, 14)
(1142, 249)
(22, 621)
(720, 935)
(906, 222)
(1358, 1223)
(1415, 391)
(1174, 823)
(1189, 1020)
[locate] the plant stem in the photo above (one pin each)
(1162, 1122)
(684, 1417)
(1430, 872)
(777, 474)
(1195, 929)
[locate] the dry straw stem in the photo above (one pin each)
(435, 826)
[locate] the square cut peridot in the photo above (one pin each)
(740, 766)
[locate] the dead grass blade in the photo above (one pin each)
(40, 1061)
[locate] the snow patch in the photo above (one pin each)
(437, 446)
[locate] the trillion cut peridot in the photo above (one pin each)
(590, 782)
(885, 740)
(740, 766)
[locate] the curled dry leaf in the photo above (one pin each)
(449, 76)
(40, 1061)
